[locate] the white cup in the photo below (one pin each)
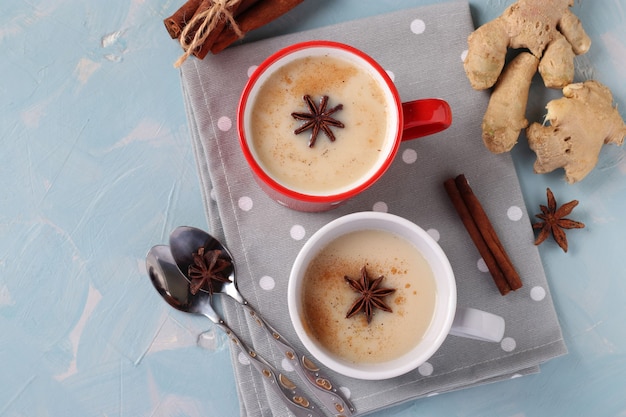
(446, 319)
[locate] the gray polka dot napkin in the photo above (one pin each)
(423, 50)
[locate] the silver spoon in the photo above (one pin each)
(184, 241)
(173, 286)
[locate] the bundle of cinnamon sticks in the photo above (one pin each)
(204, 26)
(483, 234)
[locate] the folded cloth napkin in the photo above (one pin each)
(423, 49)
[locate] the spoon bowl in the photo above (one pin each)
(185, 241)
(173, 286)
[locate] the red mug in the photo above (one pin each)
(349, 100)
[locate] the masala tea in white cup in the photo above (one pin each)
(389, 264)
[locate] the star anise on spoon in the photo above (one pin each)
(207, 267)
(371, 296)
(554, 221)
(317, 118)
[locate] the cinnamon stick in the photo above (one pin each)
(256, 16)
(177, 21)
(471, 227)
(488, 232)
(244, 5)
(190, 33)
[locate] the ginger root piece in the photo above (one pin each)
(548, 29)
(552, 34)
(506, 114)
(580, 123)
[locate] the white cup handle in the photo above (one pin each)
(477, 324)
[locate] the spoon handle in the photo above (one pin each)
(322, 387)
(293, 397)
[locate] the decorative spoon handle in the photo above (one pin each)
(322, 387)
(293, 397)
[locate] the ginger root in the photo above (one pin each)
(548, 29)
(505, 115)
(552, 34)
(580, 123)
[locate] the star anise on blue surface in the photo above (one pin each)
(207, 267)
(370, 295)
(317, 119)
(554, 221)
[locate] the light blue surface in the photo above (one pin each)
(96, 167)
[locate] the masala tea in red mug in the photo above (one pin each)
(319, 122)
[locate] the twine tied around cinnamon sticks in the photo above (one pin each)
(203, 23)
(203, 26)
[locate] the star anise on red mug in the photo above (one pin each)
(207, 267)
(370, 295)
(554, 221)
(317, 118)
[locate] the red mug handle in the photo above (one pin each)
(425, 117)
